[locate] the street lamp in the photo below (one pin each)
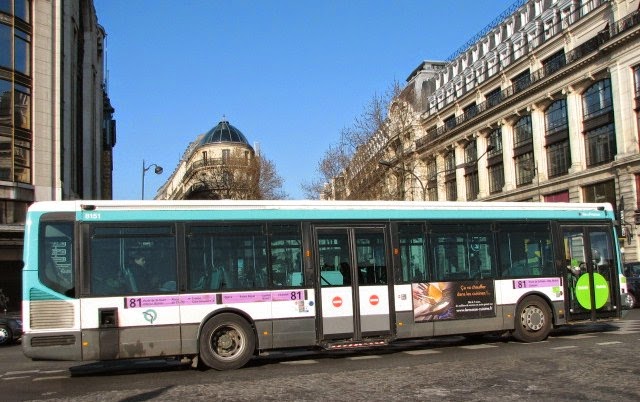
(403, 170)
(157, 170)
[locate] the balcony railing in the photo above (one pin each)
(553, 66)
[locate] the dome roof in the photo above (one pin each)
(223, 132)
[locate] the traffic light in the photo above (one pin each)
(636, 216)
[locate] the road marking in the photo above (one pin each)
(52, 371)
(294, 362)
(16, 378)
(608, 343)
(422, 352)
(21, 372)
(364, 357)
(474, 347)
(55, 377)
(564, 347)
(623, 332)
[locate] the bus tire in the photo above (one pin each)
(227, 342)
(533, 320)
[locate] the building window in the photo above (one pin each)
(496, 178)
(432, 180)
(522, 132)
(6, 42)
(471, 171)
(470, 111)
(558, 158)
(600, 192)
(470, 152)
(495, 164)
(450, 122)
(450, 176)
(494, 97)
(554, 63)
(451, 190)
(557, 139)
(521, 81)
(450, 162)
(597, 100)
(556, 117)
(472, 185)
(600, 145)
(432, 193)
(15, 91)
(525, 168)
(495, 142)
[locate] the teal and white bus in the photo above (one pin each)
(226, 280)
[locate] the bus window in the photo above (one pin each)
(526, 251)
(412, 253)
(371, 256)
(227, 257)
(132, 260)
(333, 250)
(56, 259)
(285, 250)
(462, 252)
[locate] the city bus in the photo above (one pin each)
(222, 281)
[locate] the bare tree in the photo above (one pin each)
(352, 159)
(269, 182)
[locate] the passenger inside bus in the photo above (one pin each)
(139, 276)
(345, 270)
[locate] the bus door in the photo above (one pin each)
(353, 283)
(590, 274)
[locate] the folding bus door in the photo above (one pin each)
(352, 282)
(591, 275)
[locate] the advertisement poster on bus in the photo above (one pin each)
(453, 300)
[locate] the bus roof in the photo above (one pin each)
(78, 205)
(102, 210)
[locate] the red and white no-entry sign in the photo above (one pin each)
(337, 301)
(374, 300)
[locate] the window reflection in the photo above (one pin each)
(6, 43)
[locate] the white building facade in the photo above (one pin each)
(543, 105)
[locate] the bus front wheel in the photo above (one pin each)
(533, 320)
(227, 342)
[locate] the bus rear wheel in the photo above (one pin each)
(227, 342)
(533, 320)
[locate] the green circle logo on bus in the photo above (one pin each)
(583, 291)
(150, 315)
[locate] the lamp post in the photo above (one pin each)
(403, 170)
(157, 170)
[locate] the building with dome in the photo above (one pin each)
(219, 164)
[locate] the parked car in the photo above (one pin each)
(10, 329)
(632, 273)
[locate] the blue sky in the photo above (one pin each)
(288, 74)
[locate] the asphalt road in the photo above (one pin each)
(586, 362)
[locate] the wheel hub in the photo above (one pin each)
(533, 318)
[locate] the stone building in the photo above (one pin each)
(56, 126)
(219, 164)
(542, 105)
